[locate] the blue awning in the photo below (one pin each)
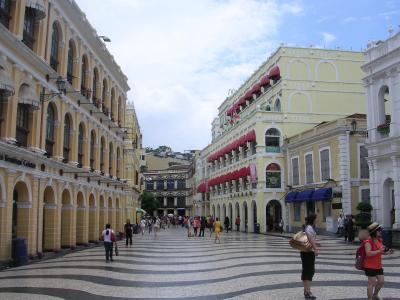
(305, 195)
(322, 194)
(291, 197)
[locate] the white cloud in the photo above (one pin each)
(327, 38)
(182, 57)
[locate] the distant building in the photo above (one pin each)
(382, 85)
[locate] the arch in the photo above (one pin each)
(273, 214)
(67, 137)
(93, 225)
(230, 213)
(384, 105)
(21, 210)
(218, 215)
(253, 216)
(104, 95)
(102, 154)
(298, 69)
(49, 228)
(112, 104)
(81, 227)
(56, 37)
(119, 163)
(273, 176)
(102, 214)
(51, 119)
(388, 203)
(93, 143)
(223, 213)
(111, 159)
(326, 70)
(245, 217)
(84, 75)
(67, 215)
(81, 144)
(300, 102)
(111, 212)
(118, 215)
(24, 122)
(71, 72)
(95, 84)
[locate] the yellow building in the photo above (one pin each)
(327, 165)
(242, 172)
(62, 129)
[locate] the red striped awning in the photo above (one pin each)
(274, 72)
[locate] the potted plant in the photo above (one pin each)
(363, 218)
(383, 129)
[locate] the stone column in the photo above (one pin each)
(396, 181)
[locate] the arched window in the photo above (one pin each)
(92, 149)
(110, 160)
(112, 104)
(70, 62)
(54, 47)
(5, 8)
(67, 135)
(272, 141)
(273, 176)
(84, 69)
(50, 130)
(277, 106)
(28, 36)
(22, 131)
(102, 146)
(119, 111)
(118, 163)
(81, 137)
(94, 88)
(384, 110)
(103, 97)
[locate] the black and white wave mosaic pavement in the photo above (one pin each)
(172, 266)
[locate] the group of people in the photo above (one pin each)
(371, 240)
(345, 228)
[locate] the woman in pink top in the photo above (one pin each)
(196, 225)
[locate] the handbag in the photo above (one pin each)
(300, 242)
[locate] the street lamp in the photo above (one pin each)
(104, 38)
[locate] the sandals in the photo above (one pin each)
(309, 296)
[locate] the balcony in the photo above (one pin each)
(384, 129)
(272, 149)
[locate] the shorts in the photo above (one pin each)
(373, 272)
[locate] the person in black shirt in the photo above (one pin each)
(128, 232)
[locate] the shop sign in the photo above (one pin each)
(16, 161)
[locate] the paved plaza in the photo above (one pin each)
(172, 266)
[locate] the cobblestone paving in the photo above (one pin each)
(172, 266)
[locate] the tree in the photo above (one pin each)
(363, 219)
(148, 202)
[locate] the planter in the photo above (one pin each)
(384, 129)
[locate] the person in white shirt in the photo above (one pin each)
(143, 225)
(340, 225)
(108, 238)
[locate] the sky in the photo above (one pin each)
(182, 57)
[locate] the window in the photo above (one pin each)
(365, 196)
(50, 130)
(29, 28)
(277, 106)
(70, 62)
(272, 140)
(309, 169)
(80, 145)
(84, 68)
(273, 176)
(170, 184)
(92, 149)
(102, 146)
(295, 171)
(103, 96)
(3, 99)
(327, 209)
(325, 165)
(181, 184)
(94, 89)
(118, 163)
(22, 131)
(181, 202)
(297, 211)
(149, 185)
(5, 6)
(67, 134)
(112, 104)
(160, 185)
(364, 169)
(170, 202)
(54, 47)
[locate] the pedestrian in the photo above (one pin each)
(196, 225)
(237, 223)
(189, 227)
(226, 224)
(217, 230)
(308, 258)
(157, 225)
(340, 224)
(143, 225)
(202, 226)
(350, 230)
(373, 260)
(150, 225)
(108, 236)
(281, 225)
(346, 228)
(128, 227)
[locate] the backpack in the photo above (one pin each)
(361, 255)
